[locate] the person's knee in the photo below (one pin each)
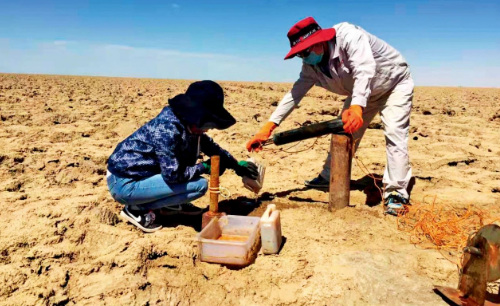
(202, 186)
(390, 132)
(396, 133)
(119, 197)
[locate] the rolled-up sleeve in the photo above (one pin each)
(306, 81)
(360, 60)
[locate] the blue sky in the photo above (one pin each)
(447, 43)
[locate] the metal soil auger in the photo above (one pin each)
(335, 126)
(480, 265)
(341, 150)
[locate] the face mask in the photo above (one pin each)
(313, 58)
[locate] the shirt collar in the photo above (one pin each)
(334, 48)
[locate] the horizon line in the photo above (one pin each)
(170, 79)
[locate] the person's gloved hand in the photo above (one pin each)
(256, 142)
(247, 169)
(352, 118)
(208, 167)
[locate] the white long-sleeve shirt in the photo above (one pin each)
(361, 65)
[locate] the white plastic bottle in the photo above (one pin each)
(270, 230)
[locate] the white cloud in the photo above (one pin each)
(62, 42)
(4, 43)
(168, 52)
(80, 58)
(118, 47)
(175, 5)
(457, 75)
(469, 67)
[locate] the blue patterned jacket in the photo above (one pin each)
(164, 145)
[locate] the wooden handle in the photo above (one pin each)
(214, 183)
(340, 171)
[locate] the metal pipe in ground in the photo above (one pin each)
(340, 171)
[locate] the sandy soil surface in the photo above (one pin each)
(62, 241)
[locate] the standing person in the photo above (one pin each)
(155, 168)
(349, 61)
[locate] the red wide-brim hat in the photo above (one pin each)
(306, 33)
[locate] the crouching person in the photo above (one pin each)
(154, 170)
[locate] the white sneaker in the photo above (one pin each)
(142, 219)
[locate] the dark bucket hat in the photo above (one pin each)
(203, 106)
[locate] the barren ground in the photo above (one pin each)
(62, 241)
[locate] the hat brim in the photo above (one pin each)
(319, 36)
(201, 116)
(221, 118)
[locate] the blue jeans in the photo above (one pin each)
(153, 193)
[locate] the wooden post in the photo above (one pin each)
(214, 183)
(214, 193)
(340, 171)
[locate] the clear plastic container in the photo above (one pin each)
(270, 229)
(230, 240)
(255, 185)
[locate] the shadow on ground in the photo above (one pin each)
(243, 206)
(372, 186)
